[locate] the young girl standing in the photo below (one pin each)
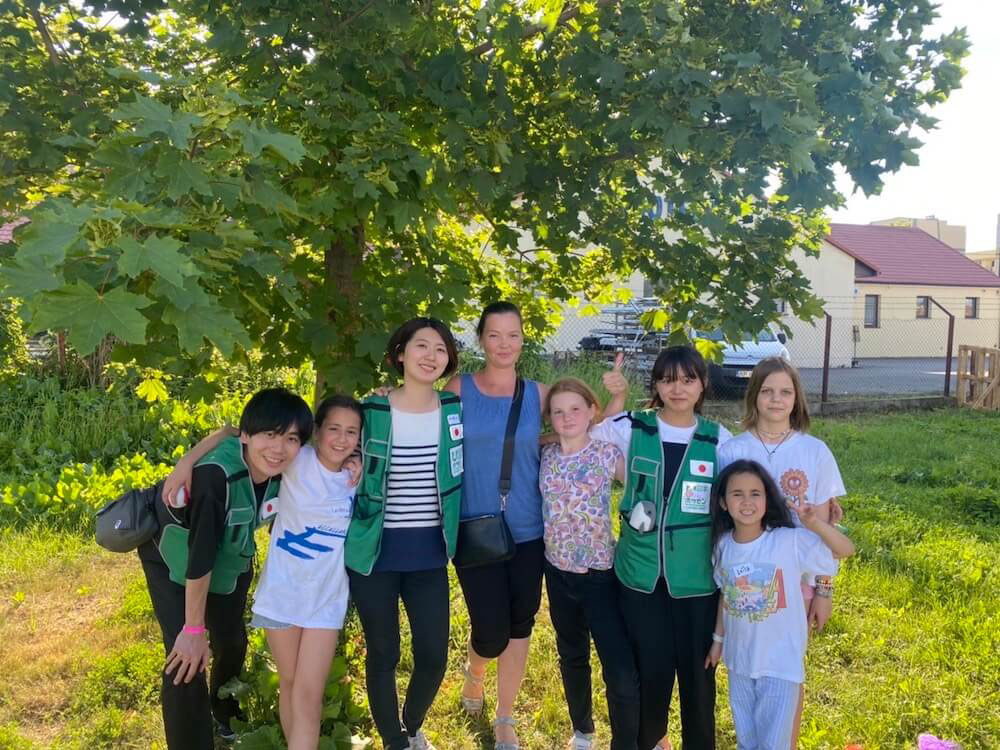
(761, 629)
(575, 478)
(776, 421)
(404, 527)
(301, 597)
(663, 556)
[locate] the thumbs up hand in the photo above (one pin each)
(614, 380)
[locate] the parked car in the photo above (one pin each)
(731, 377)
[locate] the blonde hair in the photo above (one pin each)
(799, 418)
(570, 385)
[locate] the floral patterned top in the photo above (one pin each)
(576, 506)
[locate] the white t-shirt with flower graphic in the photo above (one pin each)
(802, 466)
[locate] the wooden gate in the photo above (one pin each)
(979, 377)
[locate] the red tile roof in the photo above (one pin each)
(907, 255)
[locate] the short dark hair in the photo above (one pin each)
(496, 308)
(776, 513)
(336, 401)
(676, 359)
(277, 410)
(402, 335)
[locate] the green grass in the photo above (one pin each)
(912, 647)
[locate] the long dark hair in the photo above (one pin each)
(776, 513)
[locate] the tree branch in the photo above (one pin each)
(46, 37)
(566, 15)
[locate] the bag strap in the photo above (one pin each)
(508, 443)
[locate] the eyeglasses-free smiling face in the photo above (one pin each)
(746, 501)
(425, 356)
(679, 392)
(502, 338)
(269, 453)
(337, 437)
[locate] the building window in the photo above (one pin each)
(923, 307)
(871, 310)
(780, 306)
(972, 307)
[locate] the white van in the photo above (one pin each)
(738, 361)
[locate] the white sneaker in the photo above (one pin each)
(580, 741)
(419, 741)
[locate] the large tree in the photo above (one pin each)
(301, 175)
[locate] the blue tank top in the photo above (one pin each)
(485, 422)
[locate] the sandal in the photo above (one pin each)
(472, 706)
(507, 721)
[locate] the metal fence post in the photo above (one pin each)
(951, 343)
(826, 359)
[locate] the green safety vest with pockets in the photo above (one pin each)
(236, 551)
(679, 547)
(364, 535)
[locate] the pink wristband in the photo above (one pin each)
(193, 629)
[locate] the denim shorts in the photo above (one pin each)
(259, 621)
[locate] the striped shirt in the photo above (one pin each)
(411, 494)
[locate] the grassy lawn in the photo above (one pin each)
(914, 644)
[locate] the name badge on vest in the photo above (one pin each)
(454, 418)
(695, 497)
(268, 509)
(455, 456)
(702, 468)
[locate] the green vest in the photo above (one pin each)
(236, 551)
(679, 547)
(364, 535)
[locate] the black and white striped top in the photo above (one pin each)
(411, 494)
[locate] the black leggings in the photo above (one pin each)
(425, 597)
(672, 636)
(188, 708)
(503, 598)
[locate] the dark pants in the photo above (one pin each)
(671, 636)
(188, 708)
(425, 596)
(503, 598)
(583, 605)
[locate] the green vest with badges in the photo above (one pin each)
(364, 535)
(679, 547)
(236, 551)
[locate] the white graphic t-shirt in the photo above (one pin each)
(303, 581)
(763, 608)
(802, 466)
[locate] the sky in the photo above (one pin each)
(958, 178)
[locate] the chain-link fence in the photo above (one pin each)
(898, 348)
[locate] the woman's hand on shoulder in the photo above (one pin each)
(178, 479)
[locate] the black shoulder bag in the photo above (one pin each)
(487, 539)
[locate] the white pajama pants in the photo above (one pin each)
(763, 711)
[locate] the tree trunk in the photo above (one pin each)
(342, 261)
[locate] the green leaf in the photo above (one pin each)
(152, 390)
(47, 241)
(256, 139)
(158, 254)
(89, 317)
(200, 322)
(183, 176)
(27, 278)
(150, 116)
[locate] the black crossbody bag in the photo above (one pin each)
(487, 539)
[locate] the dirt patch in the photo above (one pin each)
(53, 624)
